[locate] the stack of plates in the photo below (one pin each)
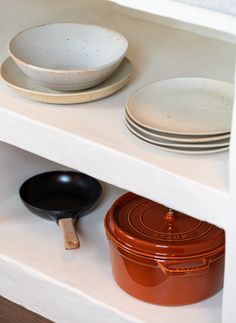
(184, 115)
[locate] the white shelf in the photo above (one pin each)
(78, 284)
(69, 286)
(226, 6)
(200, 15)
(93, 138)
(35, 271)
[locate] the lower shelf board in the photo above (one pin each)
(13, 313)
(76, 286)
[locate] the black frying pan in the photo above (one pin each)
(61, 196)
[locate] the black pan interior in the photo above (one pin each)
(61, 191)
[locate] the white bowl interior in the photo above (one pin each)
(66, 46)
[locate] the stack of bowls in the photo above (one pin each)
(184, 115)
(67, 56)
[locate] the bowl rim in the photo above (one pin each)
(45, 69)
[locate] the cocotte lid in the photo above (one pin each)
(152, 230)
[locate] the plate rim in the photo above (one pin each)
(195, 139)
(62, 95)
(228, 84)
(181, 151)
(175, 144)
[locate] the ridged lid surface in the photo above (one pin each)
(151, 229)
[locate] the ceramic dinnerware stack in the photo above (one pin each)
(184, 115)
(67, 63)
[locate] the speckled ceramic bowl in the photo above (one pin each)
(67, 56)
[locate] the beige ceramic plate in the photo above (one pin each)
(189, 151)
(184, 106)
(170, 137)
(29, 88)
(171, 143)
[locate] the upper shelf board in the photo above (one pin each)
(204, 16)
(93, 138)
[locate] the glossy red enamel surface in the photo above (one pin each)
(155, 252)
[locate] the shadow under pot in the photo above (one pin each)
(162, 256)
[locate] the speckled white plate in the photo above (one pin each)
(184, 106)
(177, 138)
(189, 151)
(29, 88)
(171, 143)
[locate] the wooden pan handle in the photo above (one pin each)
(71, 240)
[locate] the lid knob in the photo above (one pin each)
(169, 216)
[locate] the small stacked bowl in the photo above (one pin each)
(68, 56)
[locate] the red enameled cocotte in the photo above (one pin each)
(162, 256)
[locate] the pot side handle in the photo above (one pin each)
(189, 267)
